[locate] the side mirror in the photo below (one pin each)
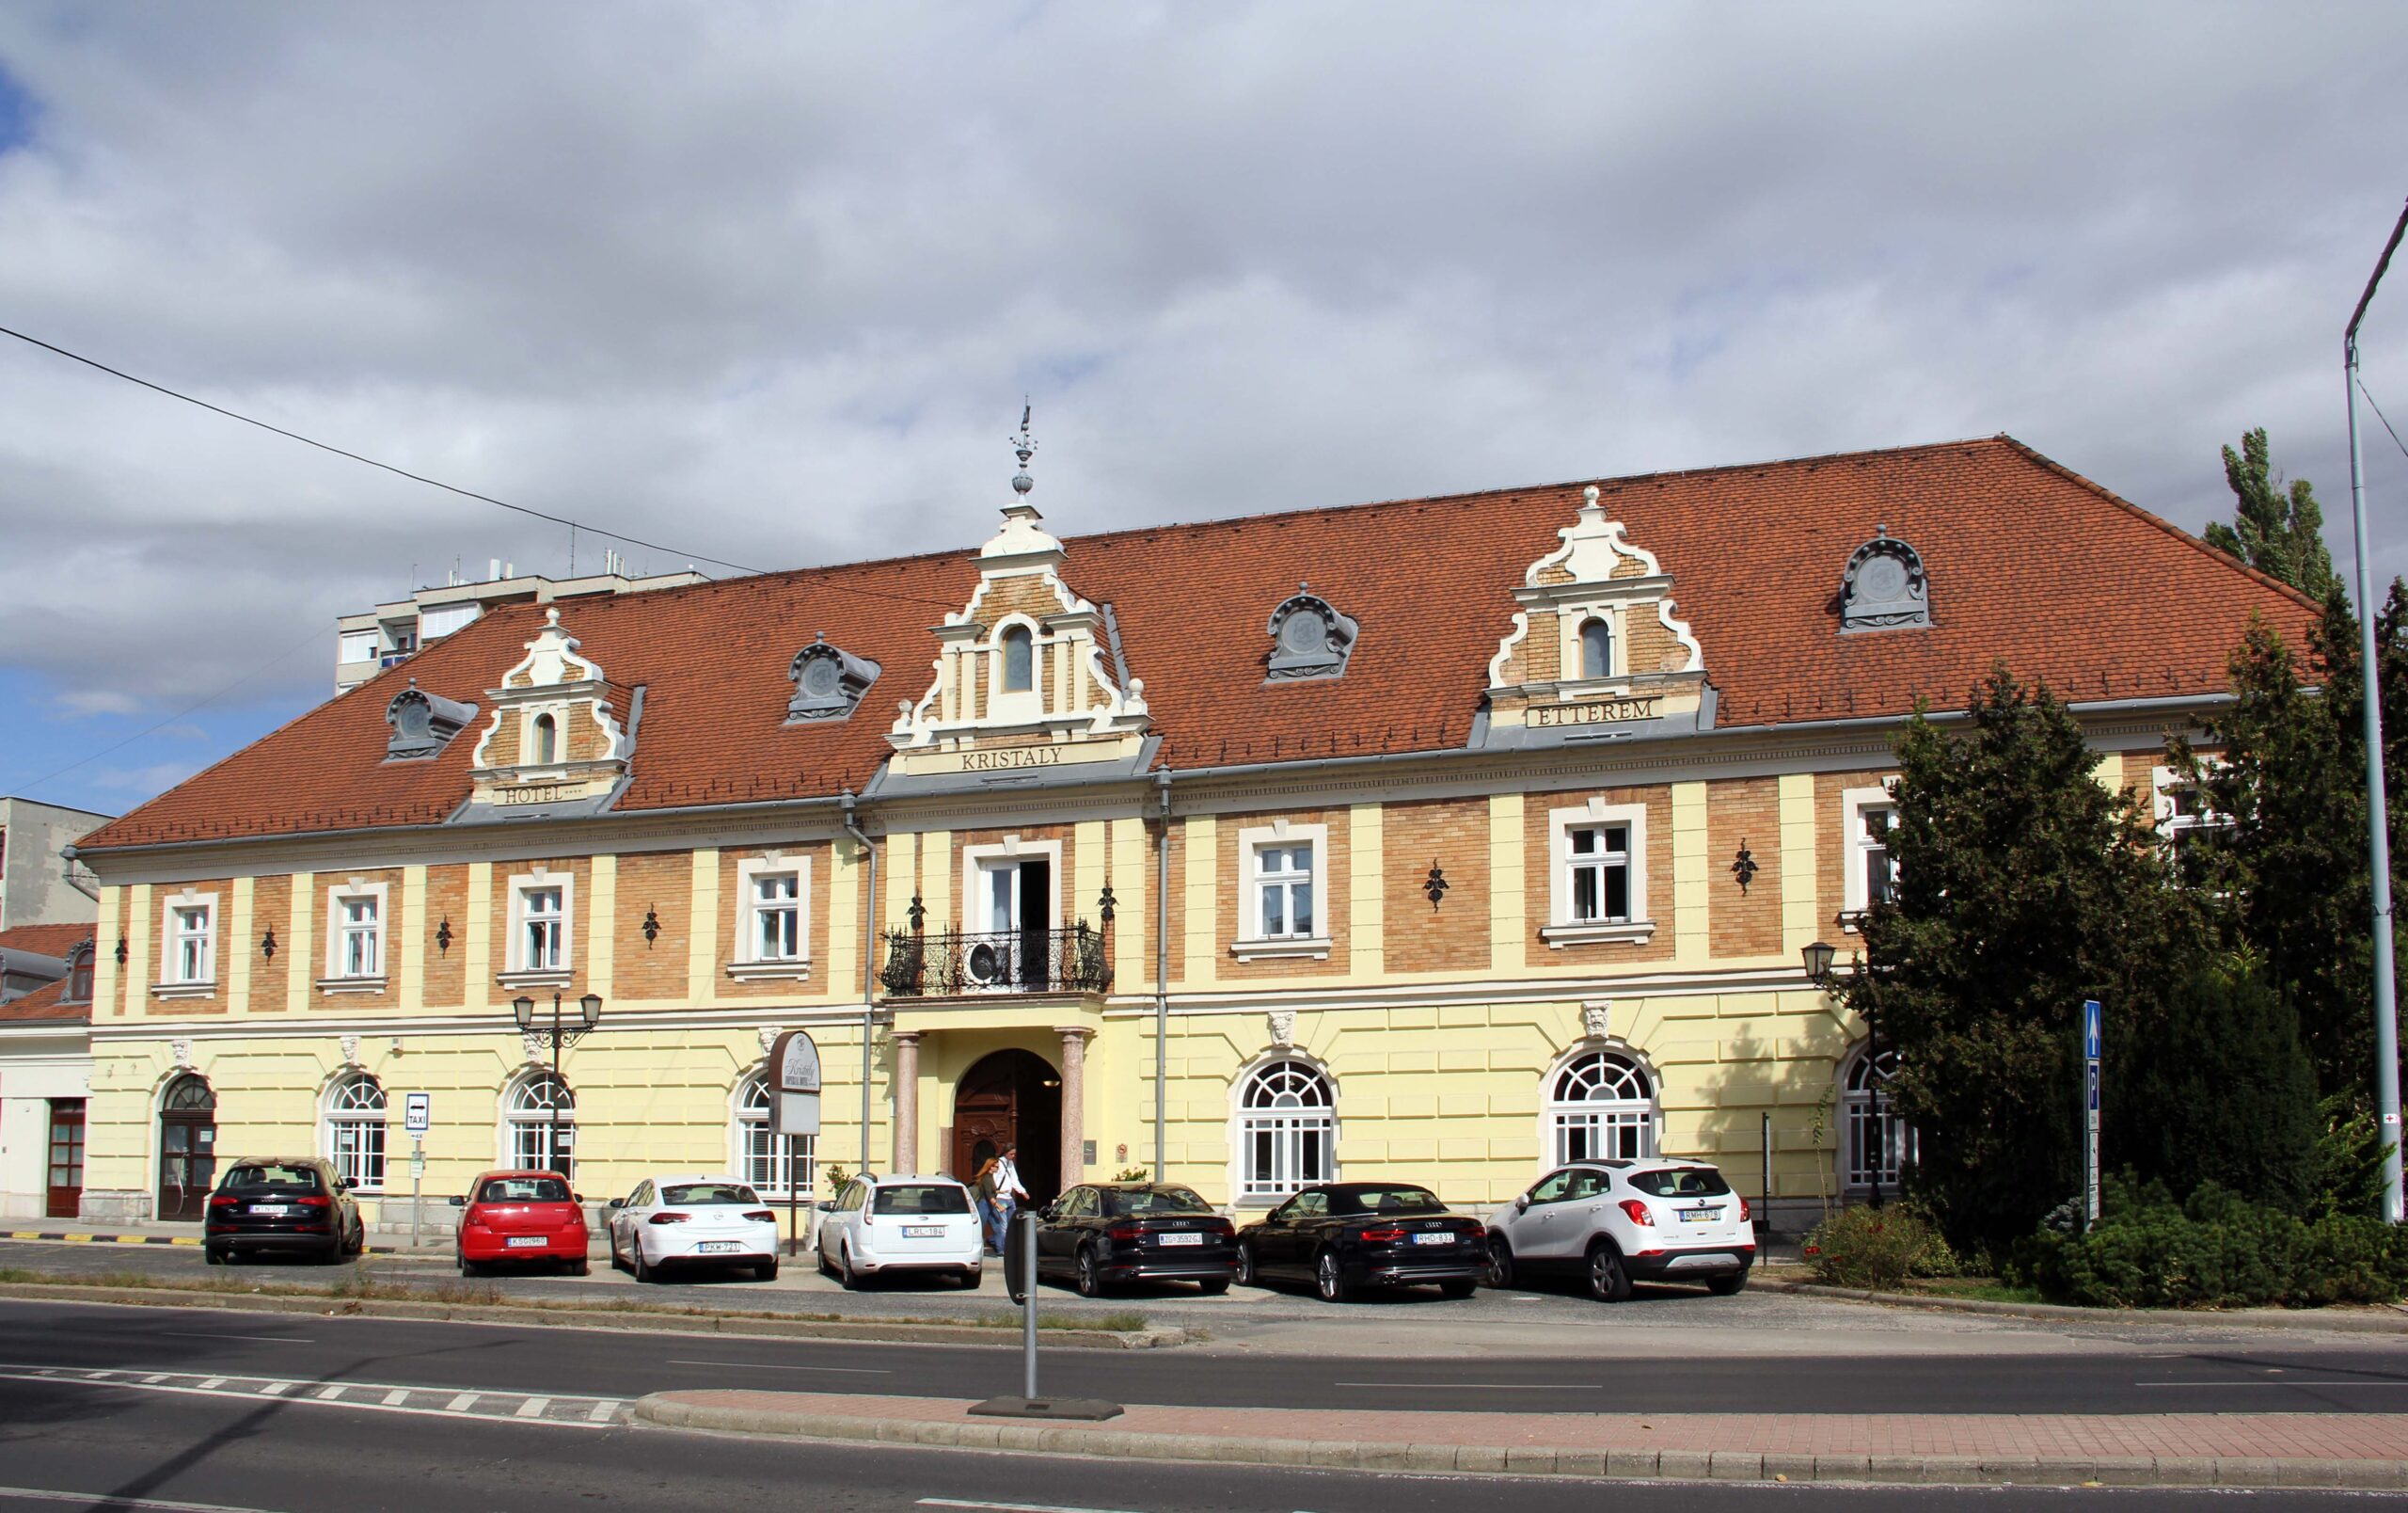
(1521, 1202)
(458, 1202)
(577, 1197)
(618, 1203)
(1050, 1213)
(826, 1206)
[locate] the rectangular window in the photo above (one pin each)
(1597, 874)
(543, 929)
(777, 916)
(360, 921)
(1879, 869)
(770, 1166)
(192, 949)
(1284, 888)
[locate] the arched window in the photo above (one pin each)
(356, 1132)
(1287, 1132)
(1596, 649)
(548, 739)
(763, 1158)
(542, 1115)
(1879, 1144)
(1602, 1107)
(1020, 664)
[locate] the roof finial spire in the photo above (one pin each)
(1023, 447)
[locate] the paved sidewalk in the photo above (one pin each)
(68, 1232)
(2170, 1449)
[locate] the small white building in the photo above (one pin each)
(46, 1075)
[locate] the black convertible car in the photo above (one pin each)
(1345, 1235)
(1105, 1232)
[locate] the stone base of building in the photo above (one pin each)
(103, 1206)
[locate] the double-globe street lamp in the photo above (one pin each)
(1816, 959)
(564, 1031)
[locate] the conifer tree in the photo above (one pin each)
(2277, 530)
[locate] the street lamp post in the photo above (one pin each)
(1816, 959)
(589, 1011)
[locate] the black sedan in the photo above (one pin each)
(1342, 1236)
(297, 1205)
(1107, 1232)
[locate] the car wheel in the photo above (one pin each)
(1089, 1281)
(845, 1276)
(819, 1258)
(580, 1268)
(1498, 1270)
(337, 1248)
(972, 1278)
(1459, 1287)
(471, 1268)
(1608, 1280)
(617, 1264)
(1214, 1287)
(213, 1256)
(1247, 1275)
(643, 1270)
(767, 1271)
(357, 1244)
(1330, 1278)
(1726, 1286)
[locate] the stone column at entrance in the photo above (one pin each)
(1075, 1063)
(907, 1102)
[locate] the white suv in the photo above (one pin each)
(879, 1225)
(1614, 1222)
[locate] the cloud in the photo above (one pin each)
(767, 284)
(145, 781)
(83, 703)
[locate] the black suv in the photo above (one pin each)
(299, 1206)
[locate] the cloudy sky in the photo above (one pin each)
(767, 283)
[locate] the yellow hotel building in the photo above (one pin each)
(1438, 839)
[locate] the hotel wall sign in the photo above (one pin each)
(990, 761)
(1594, 711)
(531, 793)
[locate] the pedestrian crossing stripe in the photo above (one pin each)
(375, 1397)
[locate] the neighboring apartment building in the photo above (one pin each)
(45, 1076)
(367, 644)
(1441, 839)
(36, 885)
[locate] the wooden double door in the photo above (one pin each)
(65, 1195)
(187, 1149)
(1010, 1097)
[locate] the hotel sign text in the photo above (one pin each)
(990, 761)
(1592, 711)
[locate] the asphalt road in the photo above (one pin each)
(2348, 1379)
(127, 1450)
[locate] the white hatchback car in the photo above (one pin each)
(693, 1220)
(879, 1225)
(1613, 1222)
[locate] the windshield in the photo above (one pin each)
(1136, 1202)
(1385, 1200)
(704, 1194)
(921, 1198)
(524, 1190)
(1681, 1182)
(271, 1176)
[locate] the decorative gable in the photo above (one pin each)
(1596, 650)
(561, 736)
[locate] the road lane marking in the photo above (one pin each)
(460, 1404)
(276, 1388)
(112, 1500)
(214, 1381)
(2287, 1381)
(1487, 1386)
(373, 1397)
(154, 1379)
(397, 1397)
(603, 1410)
(533, 1407)
(1011, 1507)
(753, 1365)
(264, 1339)
(330, 1392)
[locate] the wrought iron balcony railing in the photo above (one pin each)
(1018, 961)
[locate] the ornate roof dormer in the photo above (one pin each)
(1884, 587)
(560, 736)
(1596, 651)
(1309, 638)
(422, 723)
(1028, 674)
(829, 682)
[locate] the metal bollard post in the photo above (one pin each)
(1027, 1223)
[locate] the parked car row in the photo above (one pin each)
(1608, 1222)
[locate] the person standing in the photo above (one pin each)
(1009, 1194)
(982, 1187)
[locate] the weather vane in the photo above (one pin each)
(1023, 447)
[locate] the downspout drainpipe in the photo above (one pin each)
(869, 963)
(1162, 979)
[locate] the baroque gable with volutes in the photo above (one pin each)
(561, 736)
(1597, 650)
(1029, 677)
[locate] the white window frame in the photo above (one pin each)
(171, 940)
(761, 1156)
(1005, 703)
(2171, 823)
(339, 978)
(1288, 1128)
(537, 1125)
(1561, 929)
(521, 973)
(745, 962)
(975, 918)
(1857, 1119)
(364, 1165)
(1572, 667)
(1857, 837)
(1253, 943)
(527, 718)
(1559, 1116)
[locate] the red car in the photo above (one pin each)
(521, 1215)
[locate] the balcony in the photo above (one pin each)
(960, 964)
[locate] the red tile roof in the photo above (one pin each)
(2028, 562)
(42, 1005)
(46, 940)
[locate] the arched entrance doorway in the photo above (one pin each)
(1010, 1097)
(187, 1148)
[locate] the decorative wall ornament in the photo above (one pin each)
(267, 944)
(1884, 587)
(422, 723)
(443, 937)
(1435, 884)
(1743, 867)
(182, 1051)
(829, 682)
(918, 915)
(651, 923)
(121, 951)
(351, 1050)
(535, 1043)
(1597, 1018)
(1309, 638)
(1283, 1026)
(1106, 904)
(769, 1037)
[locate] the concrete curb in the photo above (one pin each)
(64, 1237)
(631, 1320)
(1647, 1465)
(2325, 1320)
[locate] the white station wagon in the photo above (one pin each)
(880, 1225)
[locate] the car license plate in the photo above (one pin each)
(1699, 1215)
(924, 1231)
(1186, 1238)
(718, 1246)
(1440, 1238)
(525, 1242)
(271, 1208)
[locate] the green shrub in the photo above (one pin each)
(2217, 1249)
(1877, 1247)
